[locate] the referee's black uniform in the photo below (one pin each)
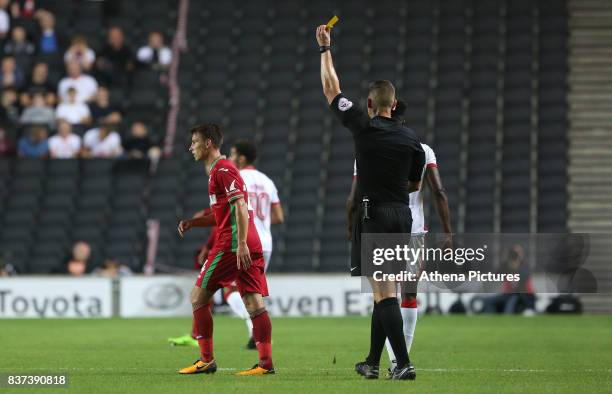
(389, 156)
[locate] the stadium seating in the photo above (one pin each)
(485, 84)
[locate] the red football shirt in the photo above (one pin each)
(225, 186)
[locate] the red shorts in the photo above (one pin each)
(220, 270)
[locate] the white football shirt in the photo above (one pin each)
(416, 198)
(262, 195)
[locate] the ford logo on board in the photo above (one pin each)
(163, 296)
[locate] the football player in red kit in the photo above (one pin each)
(236, 255)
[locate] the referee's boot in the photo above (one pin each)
(367, 371)
(200, 367)
(406, 373)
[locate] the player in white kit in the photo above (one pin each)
(418, 231)
(263, 195)
(263, 198)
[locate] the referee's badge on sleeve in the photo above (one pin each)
(344, 104)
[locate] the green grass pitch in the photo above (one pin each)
(451, 353)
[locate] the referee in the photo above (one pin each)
(390, 161)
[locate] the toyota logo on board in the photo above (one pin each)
(163, 296)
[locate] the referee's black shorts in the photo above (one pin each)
(384, 218)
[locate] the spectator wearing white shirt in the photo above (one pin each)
(5, 19)
(85, 85)
(65, 144)
(102, 142)
(155, 54)
(80, 52)
(73, 111)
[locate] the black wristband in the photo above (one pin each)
(324, 48)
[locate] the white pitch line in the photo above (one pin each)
(442, 370)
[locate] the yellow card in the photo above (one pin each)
(332, 21)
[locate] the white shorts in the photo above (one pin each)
(417, 241)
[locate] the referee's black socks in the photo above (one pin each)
(387, 323)
(377, 337)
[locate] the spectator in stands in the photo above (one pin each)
(80, 52)
(73, 111)
(5, 20)
(85, 85)
(155, 54)
(25, 100)
(11, 75)
(10, 107)
(102, 141)
(19, 47)
(65, 144)
(138, 144)
(102, 111)
(7, 269)
(517, 296)
(77, 264)
(7, 145)
(35, 144)
(23, 9)
(38, 113)
(50, 41)
(40, 83)
(116, 60)
(112, 269)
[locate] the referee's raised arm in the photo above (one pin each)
(352, 117)
(329, 78)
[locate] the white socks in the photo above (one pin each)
(237, 306)
(409, 319)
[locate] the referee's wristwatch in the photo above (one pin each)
(324, 48)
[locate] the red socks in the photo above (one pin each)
(262, 334)
(203, 327)
(194, 330)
